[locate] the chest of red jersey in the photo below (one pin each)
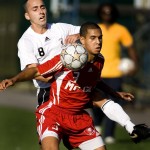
(89, 75)
(71, 89)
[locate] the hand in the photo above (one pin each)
(44, 79)
(6, 83)
(126, 96)
(71, 38)
(140, 132)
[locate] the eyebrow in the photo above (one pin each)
(38, 6)
(34, 7)
(96, 36)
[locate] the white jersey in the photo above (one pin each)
(38, 48)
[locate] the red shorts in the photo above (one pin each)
(75, 128)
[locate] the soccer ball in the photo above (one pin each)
(126, 65)
(74, 56)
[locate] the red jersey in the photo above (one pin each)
(71, 89)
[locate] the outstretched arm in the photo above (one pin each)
(107, 89)
(27, 74)
(40, 77)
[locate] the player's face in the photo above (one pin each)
(36, 13)
(93, 41)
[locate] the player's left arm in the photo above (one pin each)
(71, 31)
(120, 95)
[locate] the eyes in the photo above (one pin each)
(42, 7)
(95, 37)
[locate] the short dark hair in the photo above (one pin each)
(87, 25)
(24, 4)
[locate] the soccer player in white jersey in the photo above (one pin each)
(42, 41)
(67, 117)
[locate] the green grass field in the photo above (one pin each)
(18, 132)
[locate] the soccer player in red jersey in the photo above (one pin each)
(63, 116)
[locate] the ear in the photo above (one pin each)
(82, 40)
(27, 16)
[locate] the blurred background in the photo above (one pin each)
(134, 14)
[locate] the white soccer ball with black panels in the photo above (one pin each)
(74, 56)
(126, 65)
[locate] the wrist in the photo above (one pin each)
(13, 80)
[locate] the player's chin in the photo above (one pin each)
(43, 23)
(96, 51)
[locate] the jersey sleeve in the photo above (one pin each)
(26, 53)
(50, 66)
(68, 29)
(126, 37)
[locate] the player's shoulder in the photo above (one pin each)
(28, 34)
(56, 27)
(29, 31)
(100, 56)
(60, 25)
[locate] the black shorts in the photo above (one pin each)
(43, 95)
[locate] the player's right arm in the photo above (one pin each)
(69, 32)
(40, 78)
(45, 69)
(27, 74)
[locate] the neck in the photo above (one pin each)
(39, 29)
(91, 57)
